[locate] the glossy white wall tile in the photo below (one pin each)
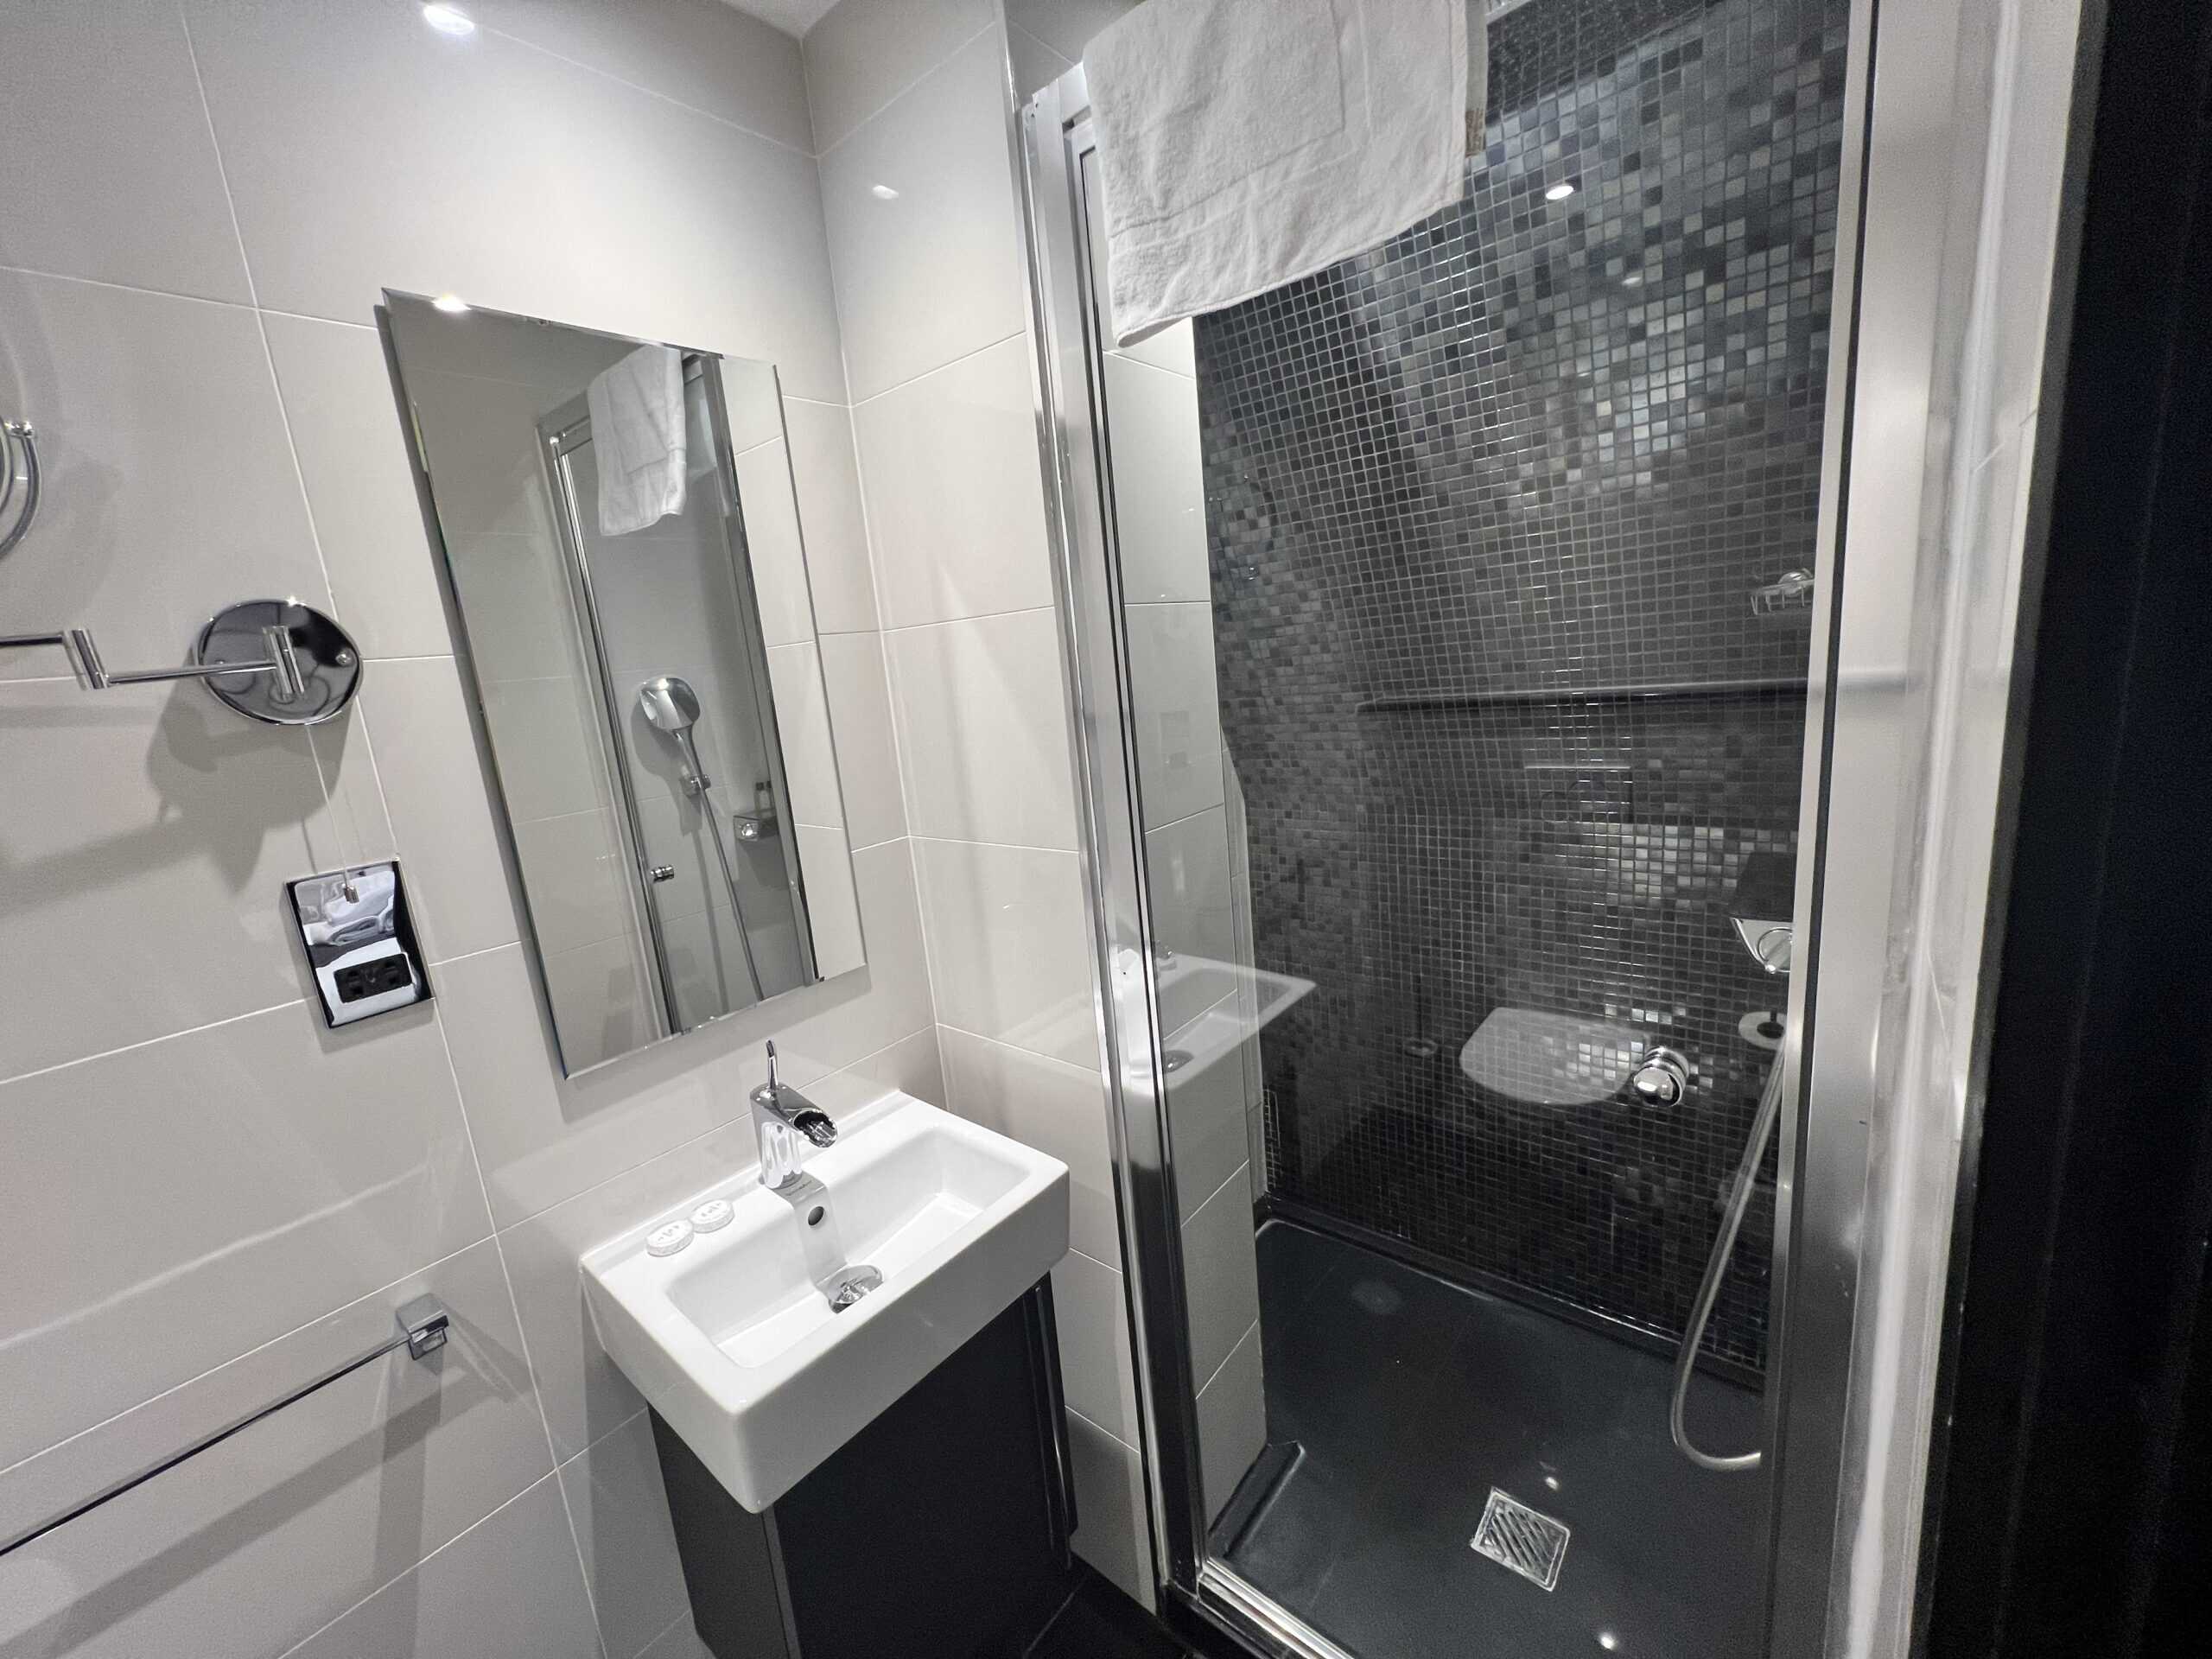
(628, 1544)
(542, 1139)
(1187, 872)
(1067, 26)
(507, 1589)
(1114, 1534)
(103, 107)
(1096, 1361)
(365, 151)
(922, 226)
(1220, 1276)
(983, 726)
(1158, 495)
(953, 494)
(1175, 708)
(829, 486)
(1171, 348)
(149, 833)
(1009, 948)
(345, 429)
(838, 1023)
(864, 53)
(867, 750)
(1206, 1128)
(171, 1205)
(1035, 65)
(736, 68)
(172, 489)
(1232, 1422)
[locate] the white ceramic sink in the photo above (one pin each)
(735, 1344)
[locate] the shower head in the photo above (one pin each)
(670, 704)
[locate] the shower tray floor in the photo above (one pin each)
(1412, 1398)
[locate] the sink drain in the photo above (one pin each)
(850, 1286)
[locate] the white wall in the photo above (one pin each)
(205, 1196)
(912, 109)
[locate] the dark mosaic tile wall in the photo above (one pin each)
(1529, 450)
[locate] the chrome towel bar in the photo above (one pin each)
(424, 1325)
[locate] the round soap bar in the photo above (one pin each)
(712, 1215)
(668, 1238)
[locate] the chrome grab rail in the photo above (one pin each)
(424, 1326)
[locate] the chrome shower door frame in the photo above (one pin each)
(1862, 716)
(1075, 452)
(560, 436)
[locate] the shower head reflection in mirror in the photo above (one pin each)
(627, 681)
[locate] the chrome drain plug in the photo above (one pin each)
(850, 1286)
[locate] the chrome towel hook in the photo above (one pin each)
(273, 660)
(18, 471)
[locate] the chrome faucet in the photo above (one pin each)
(781, 1117)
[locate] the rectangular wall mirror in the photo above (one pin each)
(622, 542)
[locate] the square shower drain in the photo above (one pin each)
(1515, 1536)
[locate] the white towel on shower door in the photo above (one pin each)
(1245, 143)
(638, 439)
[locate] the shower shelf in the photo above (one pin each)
(1637, 692)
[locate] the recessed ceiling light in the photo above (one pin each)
(1558, 192)
(453, 304)
(1632, 281)
(448, 19)
(882, 192)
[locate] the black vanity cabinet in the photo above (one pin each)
(939, 1531)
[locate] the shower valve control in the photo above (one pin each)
(1661, 1077)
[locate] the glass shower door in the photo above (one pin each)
(1442, 624)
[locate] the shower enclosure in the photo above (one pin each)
(1462, 692)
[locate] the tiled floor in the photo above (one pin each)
(1101, 1623)
(1412, 1398)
